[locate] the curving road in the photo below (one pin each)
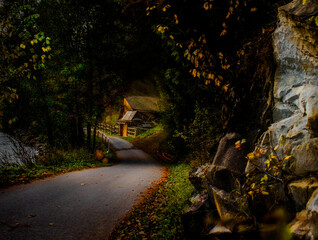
(79, 205)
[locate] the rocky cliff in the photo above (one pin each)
(283, 193)
(295, 113)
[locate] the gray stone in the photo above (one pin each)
(295, 111)
(197, 217)
(312, 207)
(197, 177)
(228, 164)
(301, 190)
(299, 227)
(305, 154)
(225, 203)
(283, 110)
(218, 229)
(299, 9)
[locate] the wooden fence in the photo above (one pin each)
(132, 132)
(105, 127)
(99, 134)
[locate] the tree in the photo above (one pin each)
(225, 48)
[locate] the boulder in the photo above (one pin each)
(198, 216)
(220, 230)
(299, 227)
(228, 164)
(197, 177)
(312, 207)
(301, 190)
(99, 155)
(305, 225)
(225, 203)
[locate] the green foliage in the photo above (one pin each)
(158, 216)
(150, 132)
(188, 110)
(221, 60)
(56, 162)
(261, 180)
(202, 134)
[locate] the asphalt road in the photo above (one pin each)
(79, 205)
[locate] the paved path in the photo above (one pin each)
(79, 205)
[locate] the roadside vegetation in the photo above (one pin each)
(52, 163)
(158, 216)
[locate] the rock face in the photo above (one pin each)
(312, 207)
(228, 164)
(295, 111)
(301, 190)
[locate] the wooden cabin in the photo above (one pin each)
(139, 114)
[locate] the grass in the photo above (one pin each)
(54, 163)
(149, 132)
(158, 215)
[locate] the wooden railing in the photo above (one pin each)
(101, 135)
(132, 132)
(105, 127)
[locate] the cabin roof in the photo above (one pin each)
(129, 115)
(143, 103)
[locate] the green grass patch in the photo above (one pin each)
(54, 163)
(128, 139)
(158, 216)
(149, 132)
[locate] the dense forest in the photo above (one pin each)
(65, 62)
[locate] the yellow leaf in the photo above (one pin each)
(275, 148)
(250, 156)
(288, 157)
(171, 37)
(194, 72)
(196, 63)
(253, 9)
(225, 88)
(223, 32)
(206, 6)
(22, 46)
(265, 193)
(176, 19)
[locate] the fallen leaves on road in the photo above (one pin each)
(156, 216)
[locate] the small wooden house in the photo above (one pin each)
(139, 113)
